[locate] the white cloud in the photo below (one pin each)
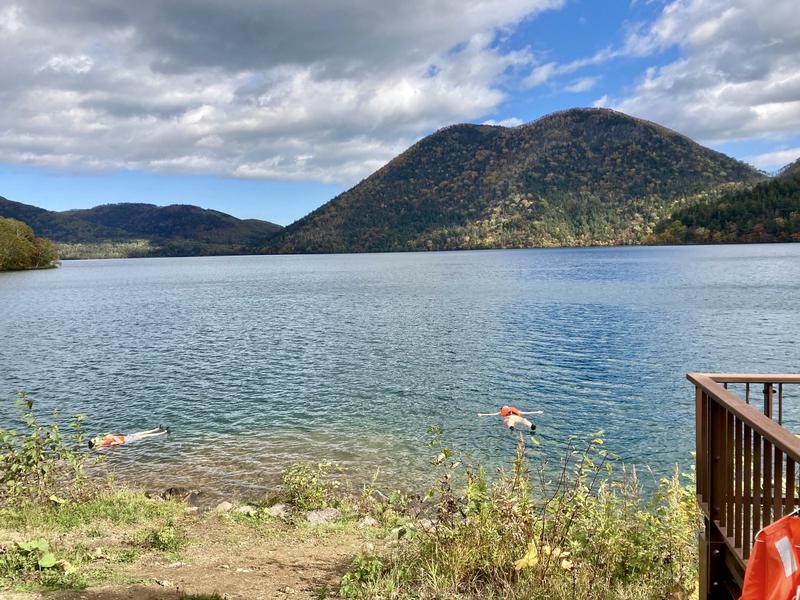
(601, 102)
(11, 19)
(738, 74)
(540, 74)
(545, 72)
(583, 84)
(279, 89)
(510, 122)
(69, 64)
(772, 161)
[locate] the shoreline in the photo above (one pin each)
(439, 250)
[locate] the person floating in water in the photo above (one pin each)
(106, 441)
(512, 417)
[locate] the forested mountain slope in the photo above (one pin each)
(790, 170)
(579, 177)
(768, 212)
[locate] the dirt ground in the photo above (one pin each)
(234, 560)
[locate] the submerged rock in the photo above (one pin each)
(325, 515)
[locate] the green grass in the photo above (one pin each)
(109, 508)
(119, 514)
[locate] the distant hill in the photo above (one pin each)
(579, 177)
(768, 212)
(143, 230)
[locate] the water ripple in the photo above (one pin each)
(257, 362)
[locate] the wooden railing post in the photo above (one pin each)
(768, 391)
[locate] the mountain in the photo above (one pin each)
(143, 229)
(579, 177)
(767, 212)
(177, 221)
(790, 170)
(54, 225)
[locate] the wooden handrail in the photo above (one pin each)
(750, 377)
(780, 437)
(746, 472)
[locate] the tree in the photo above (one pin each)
(20, 249)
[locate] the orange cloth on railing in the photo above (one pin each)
(773, 571)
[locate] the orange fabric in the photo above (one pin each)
(111, 440)
(773, 571)
(509, 410)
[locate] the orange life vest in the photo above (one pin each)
(773, 571)
(509, 410)
(111, 440)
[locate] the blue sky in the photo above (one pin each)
(266, 109)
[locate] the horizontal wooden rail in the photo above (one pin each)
(749, 377)
(746, 472)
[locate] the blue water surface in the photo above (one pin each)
(260, 361)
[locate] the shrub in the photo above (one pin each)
(33, 562)
(168, 538)
(573, 529)
(308, 487)
(364, 578)
(41, 460)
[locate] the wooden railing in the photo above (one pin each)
(746, 471)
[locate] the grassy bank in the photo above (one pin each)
(560, 522)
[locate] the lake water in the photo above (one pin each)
(257, 362)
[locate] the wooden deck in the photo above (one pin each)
(746, 469)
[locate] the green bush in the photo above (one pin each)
(308, 487)
(364, 578)
(41, 461)
(34, 562)
(168, 538)
(574, 529)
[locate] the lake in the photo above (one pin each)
(260, 361)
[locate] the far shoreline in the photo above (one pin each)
(423, 251)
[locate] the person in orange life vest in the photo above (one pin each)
(772, 570)
(512, 417)
(107, 441)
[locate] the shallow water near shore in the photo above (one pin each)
(257, 362)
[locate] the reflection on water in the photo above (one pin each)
(260, 361)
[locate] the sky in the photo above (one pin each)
(269, 108)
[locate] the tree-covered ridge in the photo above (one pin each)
(790, 170)
(144, 230)
(21, 249)
(768, 212)
(584, 176)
